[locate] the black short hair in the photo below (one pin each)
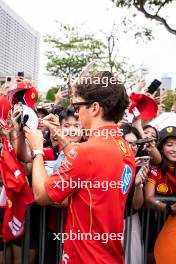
(127, 129)
(154, 128)
(43, 111)
(66, 113)
(56, 110)
(112, 97)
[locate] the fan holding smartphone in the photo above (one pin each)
(153, 87)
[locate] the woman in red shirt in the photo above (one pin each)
(162, 181)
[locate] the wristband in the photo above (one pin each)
(36, 152)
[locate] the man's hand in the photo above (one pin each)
(15, 116)
(56, 130)
(35, 138)
(141, 175)
(51, 118)
(52, 122)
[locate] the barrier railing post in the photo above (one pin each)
(4, 254)
(60, 225)
(147, 235)
(42, 235)
(26, 238)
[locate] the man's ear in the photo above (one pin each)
(95, 109)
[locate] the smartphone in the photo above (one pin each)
(10, 81)
(20, 118)
(143, 161)
(143, 141)
(64, 88)
(20, 75)
(154, 86)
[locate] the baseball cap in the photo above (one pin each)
(5, 107)
(30, 118)
(25, 92)
(30, 97)
(166, 132)
(142, 106)
(18, 85)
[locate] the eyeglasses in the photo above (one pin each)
(77, 105)
(133, 144)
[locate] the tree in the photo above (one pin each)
(51, 94)
(152, 9)
(125, 72)
(72, 51)
(40, 97)
(169, 101)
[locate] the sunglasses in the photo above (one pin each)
(78, 105)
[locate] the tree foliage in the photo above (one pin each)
(71, 51)
(152, 9)
(169, 101)
(40, 99)
(51, 94)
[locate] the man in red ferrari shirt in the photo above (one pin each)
(95, 176)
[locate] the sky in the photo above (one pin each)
(158, 56)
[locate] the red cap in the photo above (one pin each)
(17, 86)
(142, 106)
(5, 107)
(30, 95)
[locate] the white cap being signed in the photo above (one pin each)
(30, 118)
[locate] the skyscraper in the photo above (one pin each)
(19, 45)
(166, 82)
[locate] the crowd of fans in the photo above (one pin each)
(155, 156)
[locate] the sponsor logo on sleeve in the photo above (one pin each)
(126, 179)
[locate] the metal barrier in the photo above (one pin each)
(147, 216)
(151, 223)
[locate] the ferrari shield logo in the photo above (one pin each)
(169, 129)
(122, 146)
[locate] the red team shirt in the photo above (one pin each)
(49, 153)
(165, 184)
(95, 215)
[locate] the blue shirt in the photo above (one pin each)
(59, 160)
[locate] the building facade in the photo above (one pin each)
(166, 83)
(19, 45)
